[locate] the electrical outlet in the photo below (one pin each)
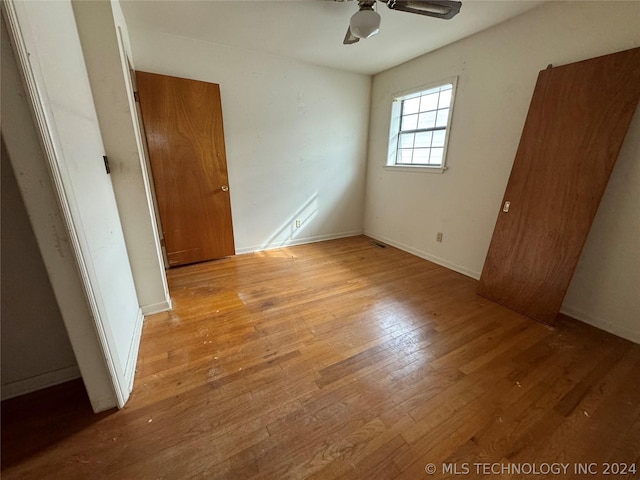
(439, 237)
(298, 223)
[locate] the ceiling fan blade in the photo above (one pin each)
(350, 38)
(444, 9)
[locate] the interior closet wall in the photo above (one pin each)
(36, 351)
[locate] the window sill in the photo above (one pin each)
(416, 168)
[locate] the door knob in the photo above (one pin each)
(225, 188)
(506, 206)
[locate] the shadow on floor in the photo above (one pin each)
(30, 416)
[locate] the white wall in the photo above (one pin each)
(115, 107)
(35, 346)
(497, 71)
(295, 137)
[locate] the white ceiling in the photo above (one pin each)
(312, 30)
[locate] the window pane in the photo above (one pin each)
(409, 122)
(423, 140)
(436, 156)
(406, 140)
(427, 120)
(422, 133)
(421, 155)
(443, 116)
(438, 138)
(445, 99)
(404, 155)
(410, 106)
(429, 102)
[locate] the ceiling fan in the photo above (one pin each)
(365, 22)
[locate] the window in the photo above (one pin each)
(420, 122)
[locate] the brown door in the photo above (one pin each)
(183, 125)
(577, 121)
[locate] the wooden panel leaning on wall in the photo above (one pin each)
(577, 121)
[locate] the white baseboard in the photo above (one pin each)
(298, 241)
(132, 360)
(618, 330)
(44, 380)
(156, 307)
(427, 256)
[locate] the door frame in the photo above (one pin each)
(141, 139)
(76, 324)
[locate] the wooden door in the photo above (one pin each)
(183, 125)
(577, 121)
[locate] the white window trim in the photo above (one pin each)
(394, 128)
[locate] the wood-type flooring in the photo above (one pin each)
(341, 360)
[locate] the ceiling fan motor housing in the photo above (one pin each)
(365, 23)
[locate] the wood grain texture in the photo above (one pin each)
(577, 121)
(337, 360)
(183, 125)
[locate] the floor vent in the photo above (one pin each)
(377, 244)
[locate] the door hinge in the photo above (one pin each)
(136, 97)
(162, 242)
(106, 164)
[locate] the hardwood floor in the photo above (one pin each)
(339, 360)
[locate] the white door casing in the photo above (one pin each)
(50, 56)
